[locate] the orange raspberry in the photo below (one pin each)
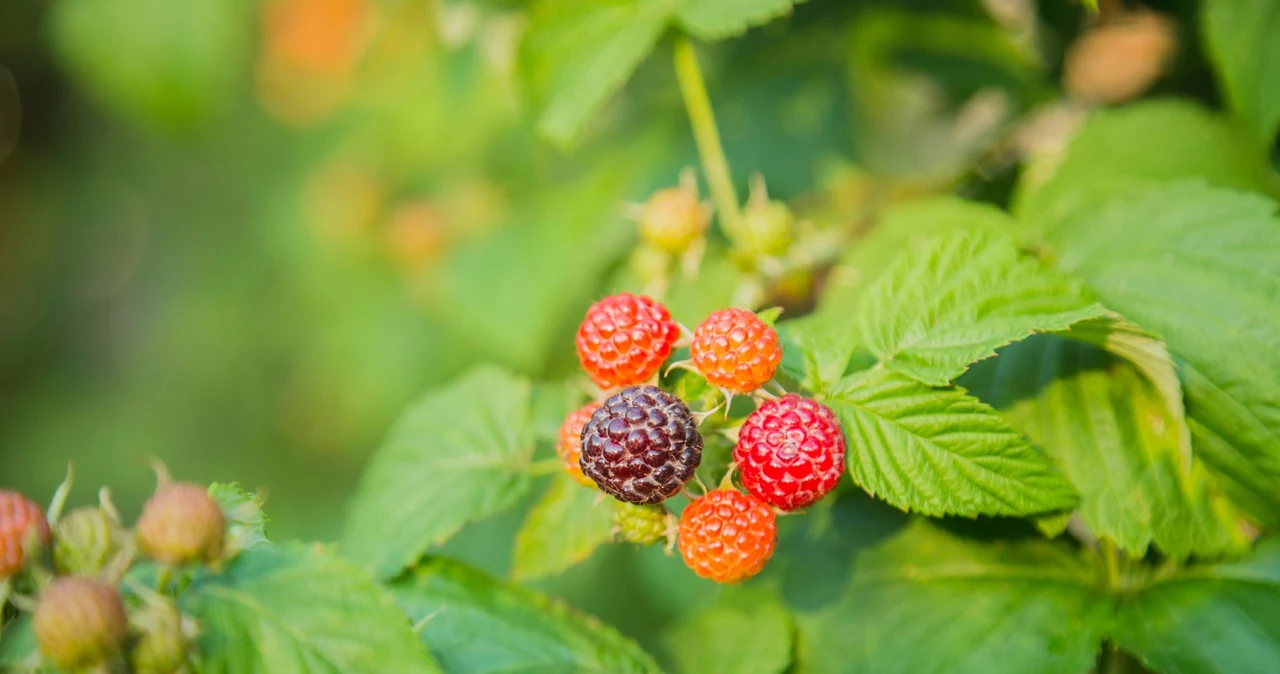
(735, 350)
(18, 514)
(624, 338)
(727, 536)
(569, 446)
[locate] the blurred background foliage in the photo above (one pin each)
(242, 235)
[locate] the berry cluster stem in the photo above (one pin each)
(698, 104)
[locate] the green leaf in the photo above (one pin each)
(940, 451)
(297, 609)
(820, 345)
(929, 602)
(577, 53)
(1146, 352)
(17, 644)
(909, 224)
(1114, 438)
(954, 301)
(246, 523)
(1198, 266)
(456, 456)
(1241, 40)
(1215, 618)
(745, 632)
(1126, 147)
(717, 19)
(172, 63)
(563, 529)
(817, 348)
(475, 624)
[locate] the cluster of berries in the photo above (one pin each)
(81, 621)
(641, 445)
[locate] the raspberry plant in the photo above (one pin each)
(895, 418)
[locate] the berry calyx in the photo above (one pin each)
(569, 444)
(790, 452)
(181, 523)
(641, 446)
(161, 645)
(20, 519)
(85, 541)
(674, 218)
(640, 524)
(624, 339)
(79, 623)
(727, 536)
(735, 350)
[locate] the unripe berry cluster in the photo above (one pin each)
(80, 620)
(641, 444)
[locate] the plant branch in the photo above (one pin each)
(1110, 564)
(714, 165)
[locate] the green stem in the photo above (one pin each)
(1110, 563)
(164, 578)
(703, 121)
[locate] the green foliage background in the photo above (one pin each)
(200, 263)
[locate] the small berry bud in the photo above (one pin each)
(20, 519)
(79, 623)
(161, 646)
(641, 524)
(672, 219)
(770, 228)
(84, 542)
(181, 524)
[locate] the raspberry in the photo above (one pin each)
(180, 524)
(642, 524)
(624, 339)
(735, 350)
(84, 542)
(79, 623)
(672, 219)
(161, 646)
(790, 452)
(569, 446)
(18, 515)
(641, 446)
(727, 536)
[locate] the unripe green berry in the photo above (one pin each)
(182, 524)
(770, 228)
(642, 524)
(161, 646)
(79, 623)
(672, 219)
(85, 541)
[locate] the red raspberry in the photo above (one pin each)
(569, 446)
(727, 536)
(735, 350)
(79, 623)
(790, 452)
(181, 523)
(624, 339)
(641, 446)
(17, 515)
